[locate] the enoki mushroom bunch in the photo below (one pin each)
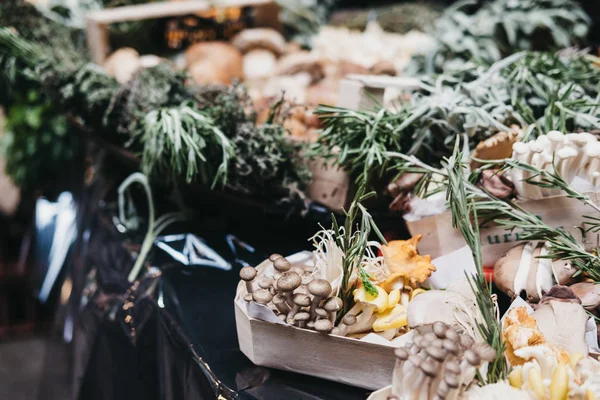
(295, 296)
(439, 365)
(573, 154)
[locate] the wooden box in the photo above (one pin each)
(266, 15)
(439, 237)
(340, 359)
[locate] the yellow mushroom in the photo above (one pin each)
(536, 384)
(380, 301)
(515, 378)
(559, 385)
(405, 265)
(393, 298)
(392, 318)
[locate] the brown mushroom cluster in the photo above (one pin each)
(296, 297)
(440, 364)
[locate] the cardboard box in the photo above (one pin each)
(439, 237)
(335, 358)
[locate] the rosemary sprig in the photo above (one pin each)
(353, 240)
(464, 211)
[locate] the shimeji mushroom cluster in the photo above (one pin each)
(440, 364)
(296, 296)
(573, 154)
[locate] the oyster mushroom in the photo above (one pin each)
(588, 293)
(318, 288)
(563, 325)
(392, 318)
(366, 305)
(247, 274)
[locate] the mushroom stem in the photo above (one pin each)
(401, 357)
(364, 321)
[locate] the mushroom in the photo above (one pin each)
(274, 257)
(259, 38)
(332, 305)
(286, 285)
(496, 147)
(300, 300)
(281, 265)
(364, 307)
(219, 59)
(300, 62)
(265, 282)
(592, 170)
(262, 296)
(383, 68)
(248, 274)
(258, 64)
(122, 64)
(497, 184)
(248, 297)
(321, 313)
(524, 268)
(280, 302)
(437, 305)
(347, 322)
(301, 318)
(563, 325)
(401, 356)
(588, 293)
(392, 318)
(318, 288)
(430, 370)
(323, 325)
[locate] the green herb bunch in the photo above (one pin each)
(534, 90)
(484, 32)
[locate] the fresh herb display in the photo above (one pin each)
(484, 32)
(536, 91)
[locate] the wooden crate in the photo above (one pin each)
(439, 237)
(266, 15)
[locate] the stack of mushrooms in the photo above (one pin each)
(440, 364)
(295, 296)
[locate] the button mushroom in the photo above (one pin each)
(248, 274)
(318, 288)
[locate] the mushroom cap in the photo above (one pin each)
(279, 299)
(302, 316)
(218, 58)
(451, 381)
(282, 265)
(321, 312)
(452, 335)
(450, 346)
(289, 281)
(310, 324)
(588, 293)
(349, 319)
(415, 360)
(394, 317)
(282, 317)
(429, 368)
(248, 273)
(505, 270)
(380, 300)
(466, 341)
(439, 329)
(333, 304)
(274, 257)
(401, 353)
(262, 296)
(436, 353)
(259, 38)
(265, 282)
(453, 367)
(319, 287)
(301, 300)
(248, 297)
(302, 61)
(323, 325)
(472, 357)
(485, 352)
(563, 271)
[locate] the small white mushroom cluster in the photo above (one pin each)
(440, 364)
(295, 296)
(573, 154)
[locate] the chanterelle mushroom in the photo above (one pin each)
(405, 264)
